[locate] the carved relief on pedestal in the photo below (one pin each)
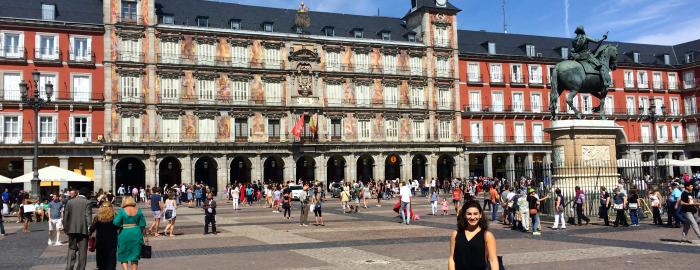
(558, 156)
(595, 153)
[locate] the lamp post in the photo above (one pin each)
(652, 116)
(35, 101)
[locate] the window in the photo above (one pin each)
(417, 66)
(48, 12)
(80, 49)
(268, 27)
(476, 132)
(336, 129)
(273, 93)
(411, 37)
(206, 129)
(169, 90)
(329, 31)
(497, 101)
(168, 19)
(80, 129)
(564, 53)
(535, 72)
(677, 133)
(629, 104)
(661, 133)
(386, 35)
(240, 90)
(519, 132)
(364, 130)
(646, 133)
(391, 96)
(656, 77)
(417, 97)
(537, 134)
(516, 73)
(644, 105)
(629, 79)
(570, 109)
(11, 129)
(240, 129)
(129, 10)
(473, 74)
(389, 64)
(496, 74)
(499, 133)
(335, 93)
(81, 88)
(235, 24)
(688, 79)
(675, 107)
(692, 132)
(130, 87)
(474, 101)
(392, 130)
(518, 102)
(169, 52)
(129, 50)
(587, 103)
(202, 21)
(550, 70)
(609, 105)
(206, 92)
(442, 37)
(690, 104)
(357, 33)
(667, 59)
(689, 58)
(12, 45)
(635, 57)
(672, 81)
(530, 50)
(11, 81)
(445, 131)
(47, 47)
(361, 62)
(273, 129)
(536, 102)
(658, 103)
(443, 67)
(362, 95)
(333, 61)
(273, 58)
(642, 81)
(170, 129)
(47, 129)
(206, 54)
(44, 79)
(492, 47)
(299, 30)
(418, 130)
(444, 98)
(239, 56)
(131, 129)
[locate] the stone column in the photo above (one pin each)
(528, 164)
(488, 168)
(97, 179)
(289, 168)
(28, 162)
(351, 168)
(63, 164)
(406, 166)
(510, 167)
(379, 166)
(431, 167)
(256, 169)
(222, 175)
(669, 168)
(151, 170)
(685, 169)
(107, 167)
(464, 167)
(186, 170)
(321, 169)
(547, 158)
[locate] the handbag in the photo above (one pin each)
(633, 206)
(168, 214)
(91, 244)
(618, 206)
(146, 251)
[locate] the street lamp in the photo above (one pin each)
(35, 101)
(652, 116)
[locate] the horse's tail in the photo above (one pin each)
(554, 94)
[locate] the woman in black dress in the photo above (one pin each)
(472, 244)
(105, 237)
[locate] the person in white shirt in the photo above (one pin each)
(405, 209)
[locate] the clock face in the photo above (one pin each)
(441, 3)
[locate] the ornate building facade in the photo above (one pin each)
(208, 92)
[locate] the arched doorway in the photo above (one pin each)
(240, 170)
(335, 169)
(418, 166)
(306, 167)
(205, 172)
(169, 172)
(129, 172)
(273, 171)
(365, 168)
(392, 167)
(445, 167)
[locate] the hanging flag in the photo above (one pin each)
(313, 123)
(298, 127)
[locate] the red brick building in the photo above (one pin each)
(63, 41)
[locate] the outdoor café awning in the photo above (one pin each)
(53, 174)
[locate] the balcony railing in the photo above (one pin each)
(129, 19)
(496, 79)
(133, 57)
(219, 100)
(517, 79)
(13, 53)
(505, 139)
(132, 98)
(535, 80)
(83, 58)
(11, 94)
(474, 78)
(47, 55)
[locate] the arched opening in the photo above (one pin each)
(476, 165)
(169, 172)
(273, 170)
(419, 162)
(205, 172)
(130, 172)
(306, 167)
(445, 167)
(365, 168)
(392, 167)
(240, 170)
(499, 165)
(335, 170)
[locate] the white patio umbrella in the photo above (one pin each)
(52, 174)
(5, 180)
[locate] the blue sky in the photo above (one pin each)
(642, 21)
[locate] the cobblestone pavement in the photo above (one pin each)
(256, 238)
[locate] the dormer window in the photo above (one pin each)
(268, 27)
(299, 30)
(411, 37)
(48, 12)
(667, 59)
(530, 50)
(492, 47)
(202, 21)
(357, 33)
(329, 31)
(689, 58)
(386, 35)
(168, 19)
(235, 24)
(564, 53)
(635, 57)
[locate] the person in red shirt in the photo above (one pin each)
(457, 198)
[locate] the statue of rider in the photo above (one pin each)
(581, 53)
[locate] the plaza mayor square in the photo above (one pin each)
(336, 134)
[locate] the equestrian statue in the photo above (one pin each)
(585, 72)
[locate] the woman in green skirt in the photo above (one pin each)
(132, 224)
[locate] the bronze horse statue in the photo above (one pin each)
(571, 75)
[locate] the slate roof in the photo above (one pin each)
(475, 42)
(81, 11)
(185, 12)
(432, 5)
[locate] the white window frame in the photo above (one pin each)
(417, 66)
(530, 50)
(690, 105)
(642, 79)
(519, 102)
(535, 74)
(206, 129)
(44, 51)
(206, 91)
(240, 56)
(629, 78)
(473, 72)
(674, 109)
(479, 128)
(130, 130)
(474, 100)
(497, 101)
(417, 96)
(46, 77)
(537, 133)
(499, 132)
(81, 85)
(206, 54)
(130, 88)
(272, 58)
(169, 52)
(495, 73)
(240, 91)
(362, 62)
(445, 131)
(442, 36)
(14, 50)
(586, 103)
(645, 138)
(631, 105)
(692, 132)
(491, 48)
(536, 102)
(418, 130)
(273, 93)
(48, 136)
(389, 63)
(333, 61)
(170, 129)
(688, 79)
(442, 67)
(11, 86)
(364, 130)
(516, 73)
(519, 138)
(170, 90)
(14, 136)
(334, 94)
(363, 95)
(609, 105)
(130, 50)
(676, 133)
(661, 133)
(391, 127)
(80, 52)
(444, 98)
(657, 81)
(391, 96)
(74, 135)
(672, 83)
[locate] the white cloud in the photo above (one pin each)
(632, 13)
(673, 34)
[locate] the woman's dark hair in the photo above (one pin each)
(462, 222)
